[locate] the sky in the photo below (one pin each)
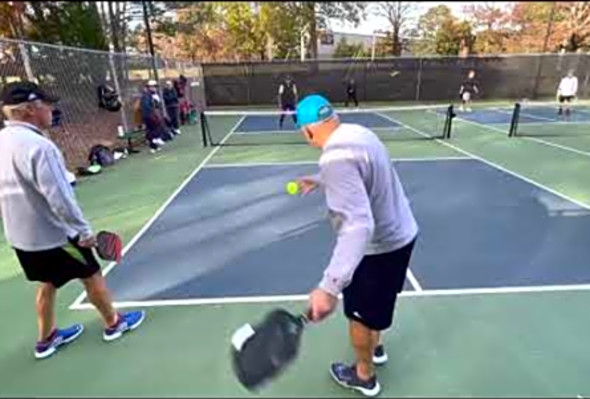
(374, 22)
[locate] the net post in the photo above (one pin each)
(203, 124)
(448, 122)
(514, 122)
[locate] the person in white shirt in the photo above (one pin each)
(43, 222)
(566, 92)
(375, 229)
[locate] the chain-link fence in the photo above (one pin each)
(405, 79)
(75, 75)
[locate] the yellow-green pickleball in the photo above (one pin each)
(292, 188)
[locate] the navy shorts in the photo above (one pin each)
(58, 265)
(371, 295)
(289, 107)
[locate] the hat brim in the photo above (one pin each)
(48, 98)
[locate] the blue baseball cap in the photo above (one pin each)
(312, 109)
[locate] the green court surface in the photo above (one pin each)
(496, 343)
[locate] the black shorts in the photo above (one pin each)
(289, 107)
(58, 265)
(370, 297)
(563, 99)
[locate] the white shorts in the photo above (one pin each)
(466, 96)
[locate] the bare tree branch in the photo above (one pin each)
(398, 14)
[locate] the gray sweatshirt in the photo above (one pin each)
(366, 201)
(37, 204)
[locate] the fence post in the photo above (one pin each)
(367, 66)
(118, 89)
(585, 67)
(248, 75)
(419, 82)
(27, 62)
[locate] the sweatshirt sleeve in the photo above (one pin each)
(49, 174)
(351, 214)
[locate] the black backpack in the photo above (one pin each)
(108, 98)
(101, 155)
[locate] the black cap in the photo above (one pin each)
(21, 92)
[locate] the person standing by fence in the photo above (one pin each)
(151, 117)
(172, 106)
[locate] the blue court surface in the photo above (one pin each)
(233, 232)
(549, 114)
(528, 115)
(264, 123)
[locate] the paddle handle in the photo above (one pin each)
(305, 317)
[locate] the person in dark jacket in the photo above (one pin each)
(171, 101)
(351, 93)
(152, 118)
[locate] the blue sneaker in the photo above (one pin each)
(127, 322)
(347, 377)
(57, 338)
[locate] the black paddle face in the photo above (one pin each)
(262, 352)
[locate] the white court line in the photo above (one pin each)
(406, 126)
(552, 144)
(541, 118)
(304, 297)
(558, 122)
(306, 163)
(494, 128)
(414, 281)
(534, 139)
(255, 164)
(78, 303)
(501, 168)
(146, 226)
(297, 132)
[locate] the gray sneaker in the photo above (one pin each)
(346, 376)
(380, 356)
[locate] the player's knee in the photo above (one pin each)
(95, 282)
(45, 292)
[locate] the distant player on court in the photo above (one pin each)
(351, 93)
(287, 99)
(375, 230)
(467, 90)
(566, 92)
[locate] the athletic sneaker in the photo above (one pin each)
(57, 338)
(379, 356)
(346, 376)
(126, 322)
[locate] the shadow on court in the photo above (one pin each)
(234, 232)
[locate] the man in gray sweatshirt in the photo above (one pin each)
(43, 222)
(376, 232)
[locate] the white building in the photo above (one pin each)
(328, 41)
